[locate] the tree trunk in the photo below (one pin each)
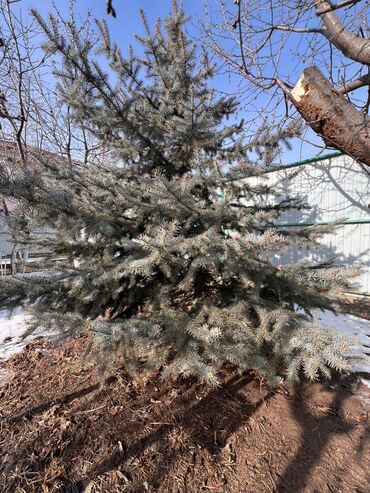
(331, 115)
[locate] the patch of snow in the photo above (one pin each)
(12, 329)
(354, 327)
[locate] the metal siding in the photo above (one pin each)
(5, 244)
(336, 189)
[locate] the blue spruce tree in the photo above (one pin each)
(165, 252)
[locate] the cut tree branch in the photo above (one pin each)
(331, 115)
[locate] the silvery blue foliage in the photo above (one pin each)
(165, 251)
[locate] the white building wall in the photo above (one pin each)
(336, 188)
(5, 243)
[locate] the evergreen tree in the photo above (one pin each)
(165, 251)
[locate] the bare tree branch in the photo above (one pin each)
(355, 84)
(307, 30)
(337, 6)
(255, 41)
(352, 46)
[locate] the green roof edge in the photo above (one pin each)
(305, 161)
(321, 223)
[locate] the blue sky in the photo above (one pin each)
(128, 23)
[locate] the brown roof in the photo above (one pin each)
(9, 150)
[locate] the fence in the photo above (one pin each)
(337, 189)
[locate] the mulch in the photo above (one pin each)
(355, 305)
(61, 431)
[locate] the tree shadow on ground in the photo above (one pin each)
(211, 421)
(317, 433)
(60, 401)
(208, 424)
(203, 422)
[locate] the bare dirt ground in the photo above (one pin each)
(62, 432)
(355, 305)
